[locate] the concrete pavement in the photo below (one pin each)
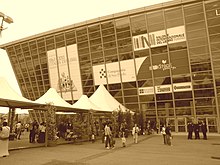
(150, 150)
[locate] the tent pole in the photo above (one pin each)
(9, 116)
(12, 119)
(46, 135)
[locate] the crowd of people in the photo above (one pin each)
(196, 128)
(109, 135)
(65, 130)
(36, 131)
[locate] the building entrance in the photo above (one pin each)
(177, 125)
(180, 123)
(211, 123)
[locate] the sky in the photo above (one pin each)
(36, 16)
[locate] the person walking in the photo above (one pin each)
(168, 135)
(135, 132)
(204, 130)
(18, 130)
(123, 139)
(190, 130)
(163, 132)
(107, 136)
(4, 139)
(93, 137)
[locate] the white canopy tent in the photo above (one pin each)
(85, 103)
(18, 111)
(52, 97)
(103, 99)
(10, 98)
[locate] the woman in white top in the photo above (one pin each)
(135, 131)
(4, 139)
(163, 132)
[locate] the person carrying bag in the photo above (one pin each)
(4, 139)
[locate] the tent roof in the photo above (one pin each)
(85, 103)
(103, 99)
(51, 96)
(10, 98)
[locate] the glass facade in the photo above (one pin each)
(163, 61)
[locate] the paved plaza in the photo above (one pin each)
(149, 151)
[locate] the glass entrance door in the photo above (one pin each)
(211, 123)
(181, 124)
(171, 121)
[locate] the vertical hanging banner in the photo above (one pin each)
(75, 71)
(69, 79)
(64, 82)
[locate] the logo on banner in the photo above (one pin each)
(102, 73)
(180, 87)
(66, 84)
(163, 89)
(163, 66)
(146, 91)
(141, 41)
(159, 38)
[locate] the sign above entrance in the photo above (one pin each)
(161, 89)
(181, 87)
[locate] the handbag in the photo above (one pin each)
(4, 138)
(4, 135)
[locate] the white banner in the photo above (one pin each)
(128, 71)
(76, 82)
(159, 38)
(113, 72)
(69, 78)
(64, 79)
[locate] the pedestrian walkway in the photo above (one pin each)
(23, 143)
(150, 150)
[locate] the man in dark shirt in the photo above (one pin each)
(196, 130)
(204, 130)
(190, 130)
(168, 135)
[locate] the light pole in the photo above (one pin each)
(6, 19)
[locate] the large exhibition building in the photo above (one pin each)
(163, 60)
